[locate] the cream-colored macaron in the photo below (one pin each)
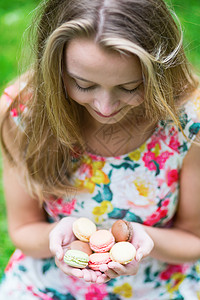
(123, 252)
(83, 228)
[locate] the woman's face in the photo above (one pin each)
(106, 83)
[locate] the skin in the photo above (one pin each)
(101, 91)
(26, 219)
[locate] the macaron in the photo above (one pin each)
(81, 246)
(123, 252)
(97, 259)
(101, 241)
(83, 228)
(76, 259)
(122, 231)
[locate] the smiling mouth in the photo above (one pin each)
(111, 115)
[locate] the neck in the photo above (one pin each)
(116, 139)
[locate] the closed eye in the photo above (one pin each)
(87, 89)
(129, 91)
(84, 89)
(132, 90)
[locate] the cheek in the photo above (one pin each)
(135, 100)
(80, 97)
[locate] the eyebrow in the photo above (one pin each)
(83, 79)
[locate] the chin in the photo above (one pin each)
(110, 120)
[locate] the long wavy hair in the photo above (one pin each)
(52, 124)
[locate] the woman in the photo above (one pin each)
(103, 128)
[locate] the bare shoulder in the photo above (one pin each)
(10, 137)
(9, 130)
(189, 200)
(14, 89)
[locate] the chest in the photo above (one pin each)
(142, 186)
(111, 141)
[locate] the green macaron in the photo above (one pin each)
(76, 258)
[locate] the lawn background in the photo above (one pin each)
(15, 17)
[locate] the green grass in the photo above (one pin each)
(15, 17)
(189, 15)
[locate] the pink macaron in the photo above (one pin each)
(97, 259)
(101, 241)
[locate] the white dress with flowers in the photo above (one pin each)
(141, 186)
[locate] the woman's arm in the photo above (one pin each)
(27, 223)
(182, 242)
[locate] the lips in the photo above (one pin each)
(111, 115)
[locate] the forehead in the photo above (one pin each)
(86, 58)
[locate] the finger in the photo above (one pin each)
(131, 268)
(111, 273)
(139, 255)
(69, 270)
(55, 247)
(116, 267)
(98, 273)
(103, 268)
(68, 239)
(145, 249)
(128, 269)
(76, 272)
(93, 275)
(87, 276)
(102, 279)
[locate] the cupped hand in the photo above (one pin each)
(141, 241)
(86, 274)
(61, 236)
(114, 269)
(59, 239)
(143, 244)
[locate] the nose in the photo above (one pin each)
(106, 104)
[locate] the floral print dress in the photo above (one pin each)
(141, 186)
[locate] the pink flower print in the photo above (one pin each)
(161, 159)
(68, 207)
(153, 144)
(165, 202)
(96, 157)
(74, 285)
(17, 256)
(14, 112)
(86, 169)
(38, 294)
(159, 214)
(96, 292)
(148, 160)
(166, 274)
(174, 143)
(61, 206)
(156, 139)
(172, 176)
(22, 107)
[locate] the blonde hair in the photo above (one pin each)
(52, 124)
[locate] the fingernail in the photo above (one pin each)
(139, 257)
(58, 255)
